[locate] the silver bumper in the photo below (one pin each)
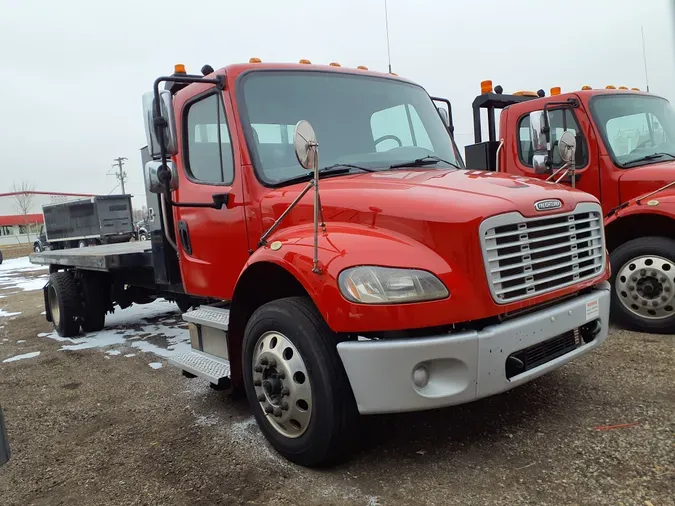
(465, 366)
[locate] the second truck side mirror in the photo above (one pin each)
(538, 140)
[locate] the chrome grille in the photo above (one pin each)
(525, 257)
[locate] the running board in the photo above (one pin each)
(201, 364)
(214, 317)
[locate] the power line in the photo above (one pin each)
(120, 174)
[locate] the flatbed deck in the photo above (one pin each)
(107, 257)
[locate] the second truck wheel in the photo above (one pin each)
(295, 383)
(64, 303)
(643, 279)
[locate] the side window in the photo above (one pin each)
(561, 120)
(398, 126)
(209, 147)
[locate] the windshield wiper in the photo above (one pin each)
(646, 158)
(335, 169)
(420, 162)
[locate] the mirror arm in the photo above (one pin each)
(546, 130)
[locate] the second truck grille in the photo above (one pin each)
(528, 257)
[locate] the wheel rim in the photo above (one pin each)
(646, 287)
(282, 384)
(37, 249)
(54, 306)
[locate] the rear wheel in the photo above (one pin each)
(37, 248)
(296, 385)
(64, 303)
(94, 302)
(643, 277)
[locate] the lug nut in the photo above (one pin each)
(666, 288)
(655, 303)
(258, 368)
(284, 406)
(634, 278)
(268, 409)
(285, 391)
(257, 383)
(264, 361)
(643, 273)
(272, 362)
(281, 375)
(635, 296)
(631, 287)
(664, 298)
(653, 274)
(261, 397)
(277, 412)
(644, 302)
(663, 279)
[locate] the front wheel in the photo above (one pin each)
(643, 277)
(296, 385)
(37, 248)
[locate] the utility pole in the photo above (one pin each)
(120, 174)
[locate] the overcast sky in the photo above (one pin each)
(73, 71)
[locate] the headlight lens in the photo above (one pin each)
(384, 285)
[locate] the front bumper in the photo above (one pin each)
(468, 365)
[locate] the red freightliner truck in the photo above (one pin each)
(339, 257)
(625, 156)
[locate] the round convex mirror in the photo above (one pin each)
(305, 144)
(567, 146)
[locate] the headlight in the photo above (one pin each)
(384, 285)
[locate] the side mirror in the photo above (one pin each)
(153, 182)
(4, 442)
(444, 116)
(567, 147)
(539, 163)
(306, 147)
(166, 112)
(537, 135)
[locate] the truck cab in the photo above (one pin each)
(625, 156)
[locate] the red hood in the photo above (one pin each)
(647, 178)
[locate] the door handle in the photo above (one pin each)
(184, 235)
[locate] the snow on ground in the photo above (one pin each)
(32, 354)
(12, 275)
(155, 328)
(7, 314)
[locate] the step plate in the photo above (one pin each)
(200, 364)
(210, 316)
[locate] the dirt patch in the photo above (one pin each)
(90, 427)
(16, 251)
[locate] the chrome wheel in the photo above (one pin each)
(282, 384)
(54, 306)
(646, 287)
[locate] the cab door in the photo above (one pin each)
(561, 119)
(212, 243)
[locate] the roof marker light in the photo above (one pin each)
(555, 90)
(610, 87)
(586, 87)
(255, 60)
(362, 67)
(334, 64)
(305, 61)
(635, 89)
(486, 86)
(179, 68)
(623, 87)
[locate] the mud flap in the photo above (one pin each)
(45, 294)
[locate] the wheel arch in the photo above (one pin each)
(259, 283)
(633, 226)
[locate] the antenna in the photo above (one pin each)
(644, 56)
(386, 22)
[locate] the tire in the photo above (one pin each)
(94, 302)
(37, 248)
(142, 237)
(64, 303)
(0, 257)
(643, 273)
(330, 429)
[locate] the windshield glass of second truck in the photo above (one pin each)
(637, 129)
(365, 121)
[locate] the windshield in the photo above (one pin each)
(636, 129)
(359, 120)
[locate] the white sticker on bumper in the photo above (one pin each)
(592, 309)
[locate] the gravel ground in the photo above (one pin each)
(92, 426)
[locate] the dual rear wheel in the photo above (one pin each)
(75, 303)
